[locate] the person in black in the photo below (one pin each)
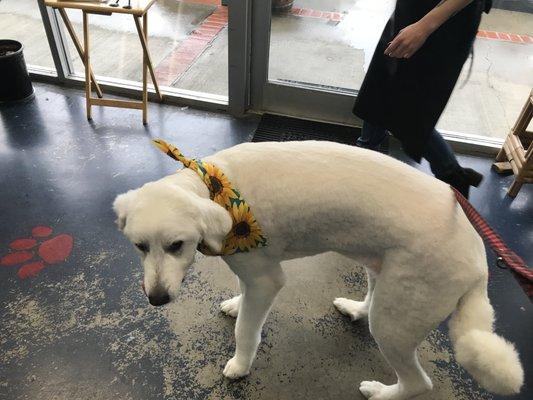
(411, 76)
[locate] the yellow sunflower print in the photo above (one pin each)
(174, 153)
(245, 233)
(218, 184)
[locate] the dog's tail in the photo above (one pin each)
(490, 359)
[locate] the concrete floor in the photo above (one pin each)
(489, 102)
(82, 329)
(209, 73)
(22, 21)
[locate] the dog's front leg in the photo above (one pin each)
(261, 280)
(231, 307)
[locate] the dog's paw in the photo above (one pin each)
(234, 369)
(354, 309)
(374, 390)
(231, 307)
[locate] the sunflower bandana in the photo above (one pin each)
(245, 233)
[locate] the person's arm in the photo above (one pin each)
(412, 37)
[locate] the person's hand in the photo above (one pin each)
(408, 41)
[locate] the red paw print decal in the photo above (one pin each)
(37, 252)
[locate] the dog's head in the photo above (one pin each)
(165, 222)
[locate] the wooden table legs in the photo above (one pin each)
(147, 63)
(516, 155)
(78, 46)
(87, 64)
(84, 53)
(145, 71)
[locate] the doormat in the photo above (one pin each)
(274, 128)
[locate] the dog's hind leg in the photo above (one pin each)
(231, 306)
(398, 337)
(260, 283)
(357, 309)
(405, 307)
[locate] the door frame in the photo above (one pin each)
(296, 100)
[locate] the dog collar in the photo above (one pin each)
(245, 233)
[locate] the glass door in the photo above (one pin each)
(309, 57)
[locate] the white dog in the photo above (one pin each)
(423, 258)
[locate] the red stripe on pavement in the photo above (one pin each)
(183, 56)
(310, 13)
(504, 36)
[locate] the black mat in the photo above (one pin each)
(274, 128)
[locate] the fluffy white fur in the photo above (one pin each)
(423, 258)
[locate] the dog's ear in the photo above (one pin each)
(121, 206)
(215, 224)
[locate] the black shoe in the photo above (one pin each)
(462, 178)
(381, 145)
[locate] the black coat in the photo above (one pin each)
(407, 96)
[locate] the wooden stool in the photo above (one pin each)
(517, 151)
(138, 9)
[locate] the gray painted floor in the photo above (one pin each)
(82, 329)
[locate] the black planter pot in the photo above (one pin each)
(15, 84)
(282, 6)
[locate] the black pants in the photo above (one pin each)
(438, 152)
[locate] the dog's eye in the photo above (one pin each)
(142, 247)
(175, 246)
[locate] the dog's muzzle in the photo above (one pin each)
(159, 299)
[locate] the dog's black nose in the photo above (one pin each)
(159, 299)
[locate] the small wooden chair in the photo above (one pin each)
(517, 151)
